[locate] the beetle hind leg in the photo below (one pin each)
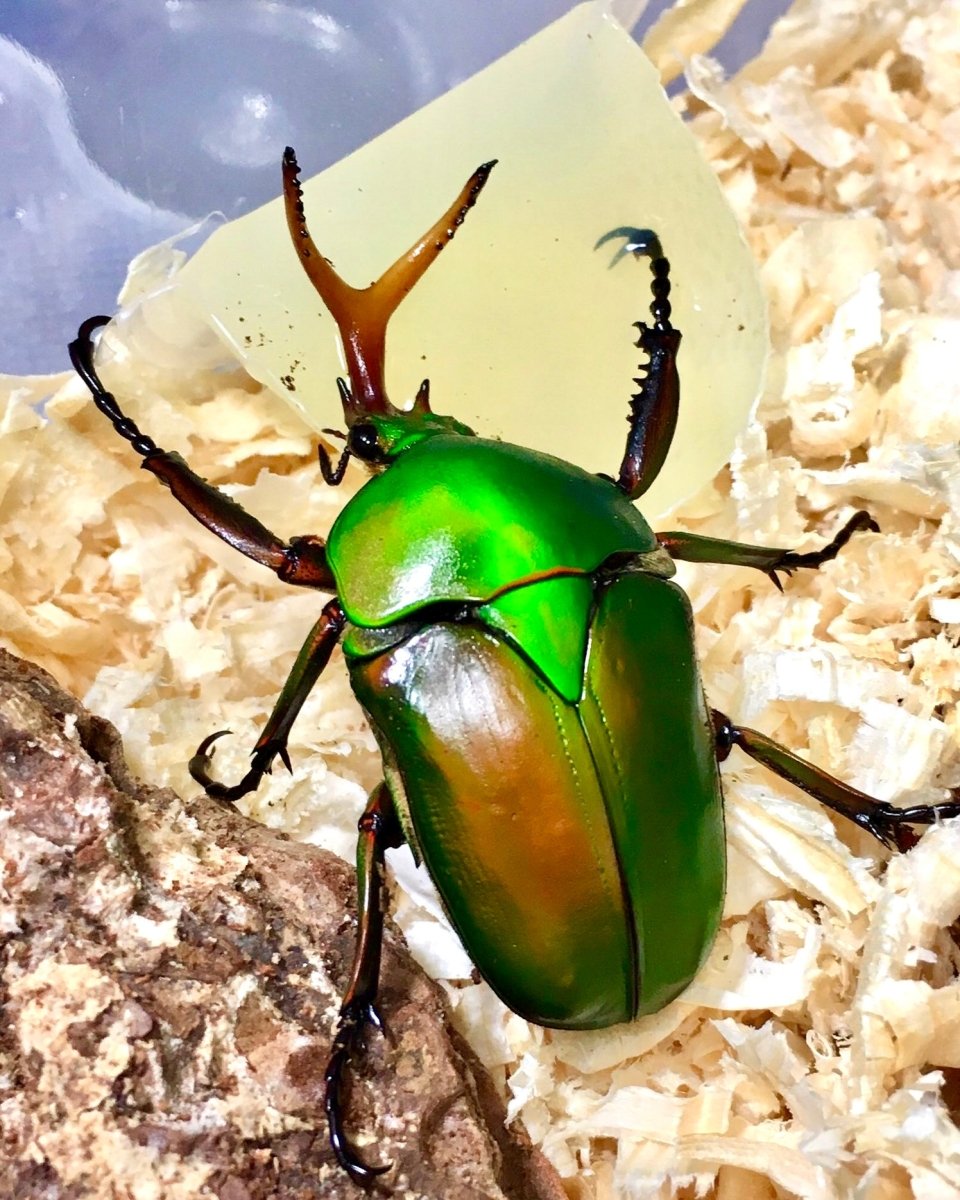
(889, 825)
(379, 830)
(692, 547)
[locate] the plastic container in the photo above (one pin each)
(125, 121)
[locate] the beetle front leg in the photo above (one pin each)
(690, 547)
(302, 560)
(654, 409)
(272, 743)
(889, 825)
(379, 831)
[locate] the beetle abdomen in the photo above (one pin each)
(562, 837)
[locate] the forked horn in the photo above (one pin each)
(362, 314)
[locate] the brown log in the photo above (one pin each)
(171, 974)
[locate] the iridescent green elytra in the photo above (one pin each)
(549, 751)
(527, 666)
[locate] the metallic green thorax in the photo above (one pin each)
(464, 520)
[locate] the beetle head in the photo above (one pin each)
(377, 431)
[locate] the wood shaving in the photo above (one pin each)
(816, 1054)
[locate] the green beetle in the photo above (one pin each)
(527, 666)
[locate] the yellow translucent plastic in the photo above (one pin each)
(522, 327)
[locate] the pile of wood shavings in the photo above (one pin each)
(811, 1055)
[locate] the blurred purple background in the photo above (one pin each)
(124, 121)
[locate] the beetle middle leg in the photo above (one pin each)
(889, 825)
(691, 547)
(272, 743)
(379, 831)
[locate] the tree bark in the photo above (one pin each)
(171, 975)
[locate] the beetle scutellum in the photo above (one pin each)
(527, 667)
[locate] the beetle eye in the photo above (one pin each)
(364, 442)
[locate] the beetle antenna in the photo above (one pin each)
(362, 314)
(333, 475)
